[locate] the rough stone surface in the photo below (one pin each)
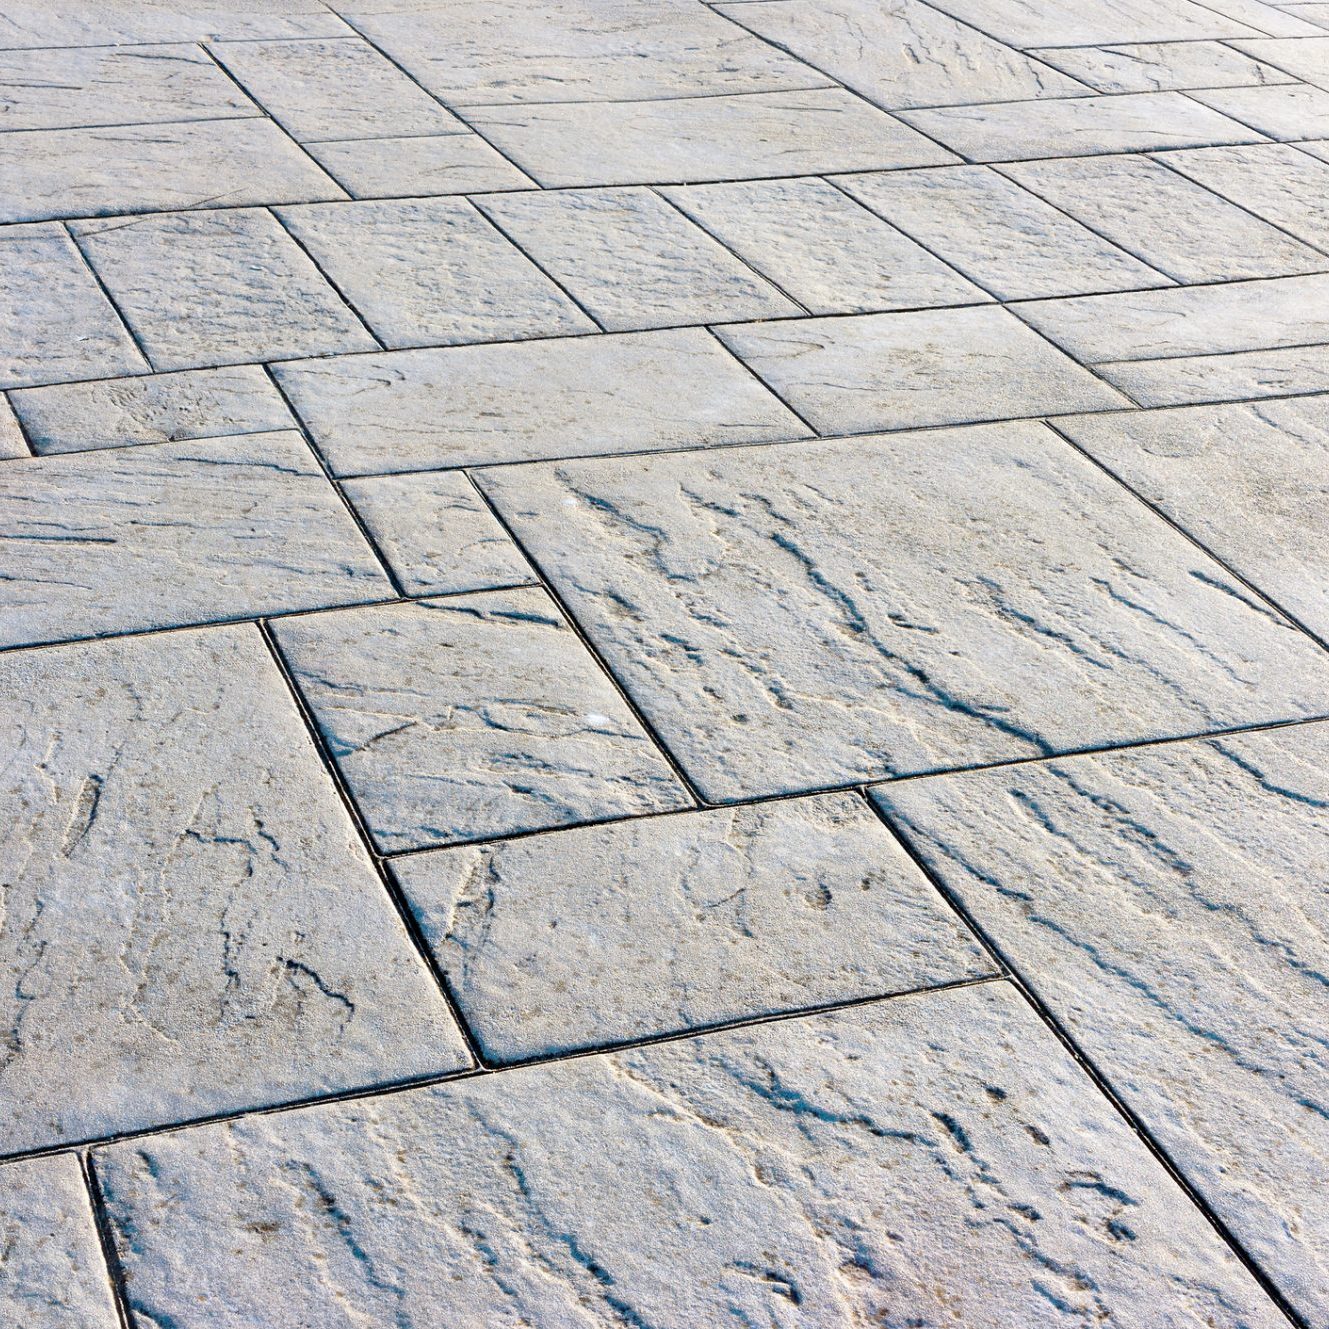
(414, 167)
(1223, 377)
(1090, 22)
(12, 442)
(1287, 111)
(1160, 66)
(37, 23)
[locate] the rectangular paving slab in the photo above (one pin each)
(941, 1153)
(193, 926)
(1169, 907)
(1288, 111)
(414, 167)
(1160, 66)
(171, 533)
(1246, 375)
(799, 616)
(32, 23)
(1089, 22)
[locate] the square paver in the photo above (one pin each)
(192, 925)
(1160, 66)
(799, 616)
(416, 167)
(472, 716)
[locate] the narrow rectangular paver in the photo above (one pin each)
(1224, 377)
(1090, 22)
(1305, 58)
(1287, 111)
(1161, 66)
(416, 167)
(37, 23)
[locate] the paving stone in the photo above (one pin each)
(218, 288)
(1093, 22)
(1003, 237)
(632, 260)
(1318, 149)
(680, 140)
(1213, 856)
(1165, 219)
(171, 533)
(37, 23)
(1290, 111)
(52, 1273)
(335, 89)
(194, 926)
(12, 442)
(55, 322)
(903, 53)
(1250, 481)
(472, 716)
(414, 167)
(829, 253)
(152, 408)
(819, 1172)
(426, 272)
(608, 934)
(1211, 378)
(437, 534)
(1317, 12)
(1306, 58)
(1160, 66)
(1268, 19)
(806, 615)
(899, 371)
(464, 406)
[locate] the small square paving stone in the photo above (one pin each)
(898, 371)
(426, 272)
(415, 167)
(1289, 111)
(472, 716)
(632, 260)
(218, 288)
(608, 934)
(939, 1156)
(52, 1271)
(152, 408)
(437, 534)
(1160, 66)
(125, 539)
(470, 405)
(1169, 906)
(799, 616)
(192, 925)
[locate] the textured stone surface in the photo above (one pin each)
(631, 260)
(1213, 855)
(12, 442)
(426, 272)
(218, 288)
(1304, 58)
(52, 1273)
(34, 23)
(472, 716)
(1230, 377)
(822, 1172)
(1090, 22)
(896, 371)
(797, 616)
(416, 410)
(151, 408)
(191, 925)
(609, 934)
(1288, 111)
(412, 167)
(1160, 66)
(246, 526)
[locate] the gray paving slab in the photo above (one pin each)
(415, 167)
(1285, 112)
(13, 444)
(127, 539)
(1316, 12)
(194, 927)
(1224, 377)
(1272, 20)
(805, 615)
(472, 405)
(1306, 58)
(472, 716)
(429, 272)
(1211, 854)
(1316, 148)
(1091, 22)
(1160, 66)
(820, 1172)
(52, 1272)
(218, 288)
(634, 261)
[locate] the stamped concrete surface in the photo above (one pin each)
(664, 663)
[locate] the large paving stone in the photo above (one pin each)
(1169, 906)
(1160, 66)
(125, 539)
(608, 934)
(37, 23)
(218, 288)
(472, 716)
(799, 616)
(415, 167)
(52, 1272)
(192, 926)
(468, 405)
(938, 1159)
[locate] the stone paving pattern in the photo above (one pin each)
(664, 663)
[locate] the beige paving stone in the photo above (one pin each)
(1160, 66)
(193, 926)
(1092, 22)
(415, 167)
(472, 716)
(1214, 378)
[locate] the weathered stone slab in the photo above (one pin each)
(1306, 58)
(820, 1172)
(1168, 905)
(1160, 66)
(682, 139)
(426, 272)
(219, 288)
(1288, 111)
(1093, 22)
(633, 261)
(799, 616)
(171, 533)
(1234, 377)
(192, 925)
(899, 371)
(473, 716)
(415, 167)
(12, 442)
(1001, 236)
(417, 410)
(152, 408)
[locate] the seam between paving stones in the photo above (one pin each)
(113, 1268)
(121, 318)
